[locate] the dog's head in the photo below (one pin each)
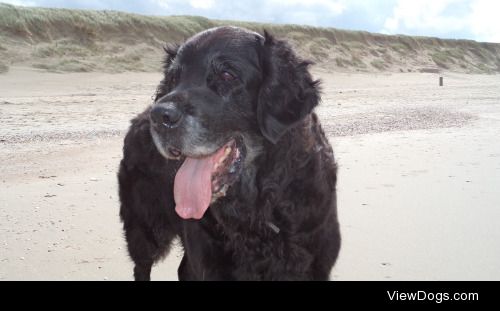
(226, 91)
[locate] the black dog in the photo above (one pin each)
(231, 159)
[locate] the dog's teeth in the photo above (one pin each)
(227, 151)
(221, 160)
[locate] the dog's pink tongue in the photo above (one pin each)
(193, 186)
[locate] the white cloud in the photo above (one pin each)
(202, 4)
(438, 17)
(304, 18)
(335, 7)
(20, 2)
(484, 21)
(162, 3)
(423, 15)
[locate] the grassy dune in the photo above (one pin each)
(65, 40)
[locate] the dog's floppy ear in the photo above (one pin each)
(288, 93)
(167, 83)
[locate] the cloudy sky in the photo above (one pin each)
(467, 19)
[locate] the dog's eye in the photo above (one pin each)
(226, 76)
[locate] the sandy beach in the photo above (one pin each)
(418, 191)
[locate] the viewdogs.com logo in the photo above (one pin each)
(435, 297)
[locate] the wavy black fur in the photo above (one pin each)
(278, 222)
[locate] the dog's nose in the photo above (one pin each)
(168, 116)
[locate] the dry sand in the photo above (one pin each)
(419, 174)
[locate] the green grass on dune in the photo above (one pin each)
(87, 40)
